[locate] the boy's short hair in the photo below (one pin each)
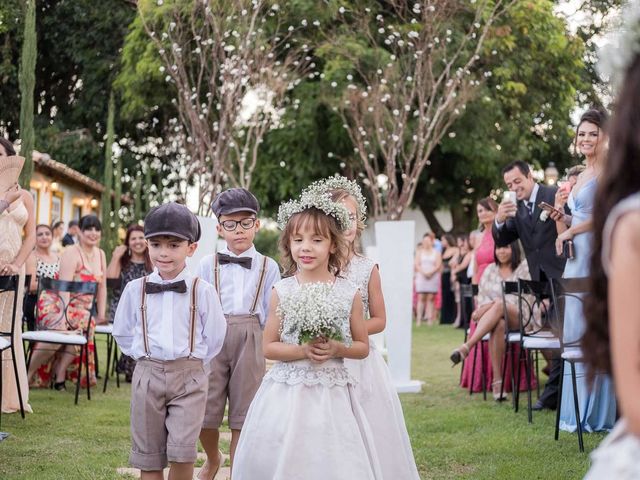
(234, 200)
(172, 220)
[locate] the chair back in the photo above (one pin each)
(467, 292)
(563, 289)
(10, 283)
(533, 308)
(61, 294)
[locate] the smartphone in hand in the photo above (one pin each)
(549, 208)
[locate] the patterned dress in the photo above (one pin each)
(308, 414)
(377, 395)
(49, 317)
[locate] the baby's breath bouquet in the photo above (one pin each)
(310, 312)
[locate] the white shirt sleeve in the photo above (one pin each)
(214, 324)
(499, 224)
(124, 321)
(272, 277)
(205, 269)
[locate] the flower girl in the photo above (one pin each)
(305, 411)
(374, 388)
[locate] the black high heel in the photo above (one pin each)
(60, 386)
(459, 354)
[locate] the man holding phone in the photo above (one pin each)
(520, 218)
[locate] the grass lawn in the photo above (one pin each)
(453, 435)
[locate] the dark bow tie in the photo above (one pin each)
(224, 259)
(178, 287)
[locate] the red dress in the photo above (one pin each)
(48, 316)
(484, 257)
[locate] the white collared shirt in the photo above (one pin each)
(238, 285)
(168, 318)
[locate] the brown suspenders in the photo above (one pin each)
(261, 278)
(193, 310)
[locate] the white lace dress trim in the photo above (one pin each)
(329, 374)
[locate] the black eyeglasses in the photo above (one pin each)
(231, 225)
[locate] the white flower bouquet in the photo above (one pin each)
(310, 313)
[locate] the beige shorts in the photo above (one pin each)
(235, 373)
(167, 407)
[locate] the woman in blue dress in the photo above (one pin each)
(597, 404)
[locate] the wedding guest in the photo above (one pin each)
(17, 238)
(128, 262)
(611, 343)
(489, 316)
(524, 220)
(597, 405)
(82, 262)
(244, 279)
(179, 330)
(483, 256)
(42, 262)
(460, 277)
(448, 303)
(58, 230)
(428, 263)
(71, 236)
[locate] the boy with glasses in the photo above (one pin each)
(243, 279)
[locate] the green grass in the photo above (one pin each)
(453, 435)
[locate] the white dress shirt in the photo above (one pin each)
(238, 285)
(532, 199)
(168, 319)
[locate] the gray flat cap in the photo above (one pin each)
(172, 219)
(235, 200)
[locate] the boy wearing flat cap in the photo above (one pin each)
(173, 325)
(243, 279)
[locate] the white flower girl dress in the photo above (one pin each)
(304, 422)
(377, 395)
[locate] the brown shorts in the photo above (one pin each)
(235, 373)
(167, 406)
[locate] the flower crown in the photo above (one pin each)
(338, 182)
(314, 199)
(622, 45)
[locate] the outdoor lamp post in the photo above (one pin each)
(551, 174)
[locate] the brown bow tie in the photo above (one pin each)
(224, 259)
(178, 287)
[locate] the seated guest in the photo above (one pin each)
(128, 262)
(82, 262)
(42, 262)
(72, 234)
(489, 315)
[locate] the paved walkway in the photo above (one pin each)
(223, 473)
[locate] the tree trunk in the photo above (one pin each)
(27, 82)
(137, 201)
(107, 235)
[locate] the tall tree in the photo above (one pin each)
(232, 73)
(27, 87)
(416, 66)
(108, 241)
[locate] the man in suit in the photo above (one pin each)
(522, 220)
(72, 233)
